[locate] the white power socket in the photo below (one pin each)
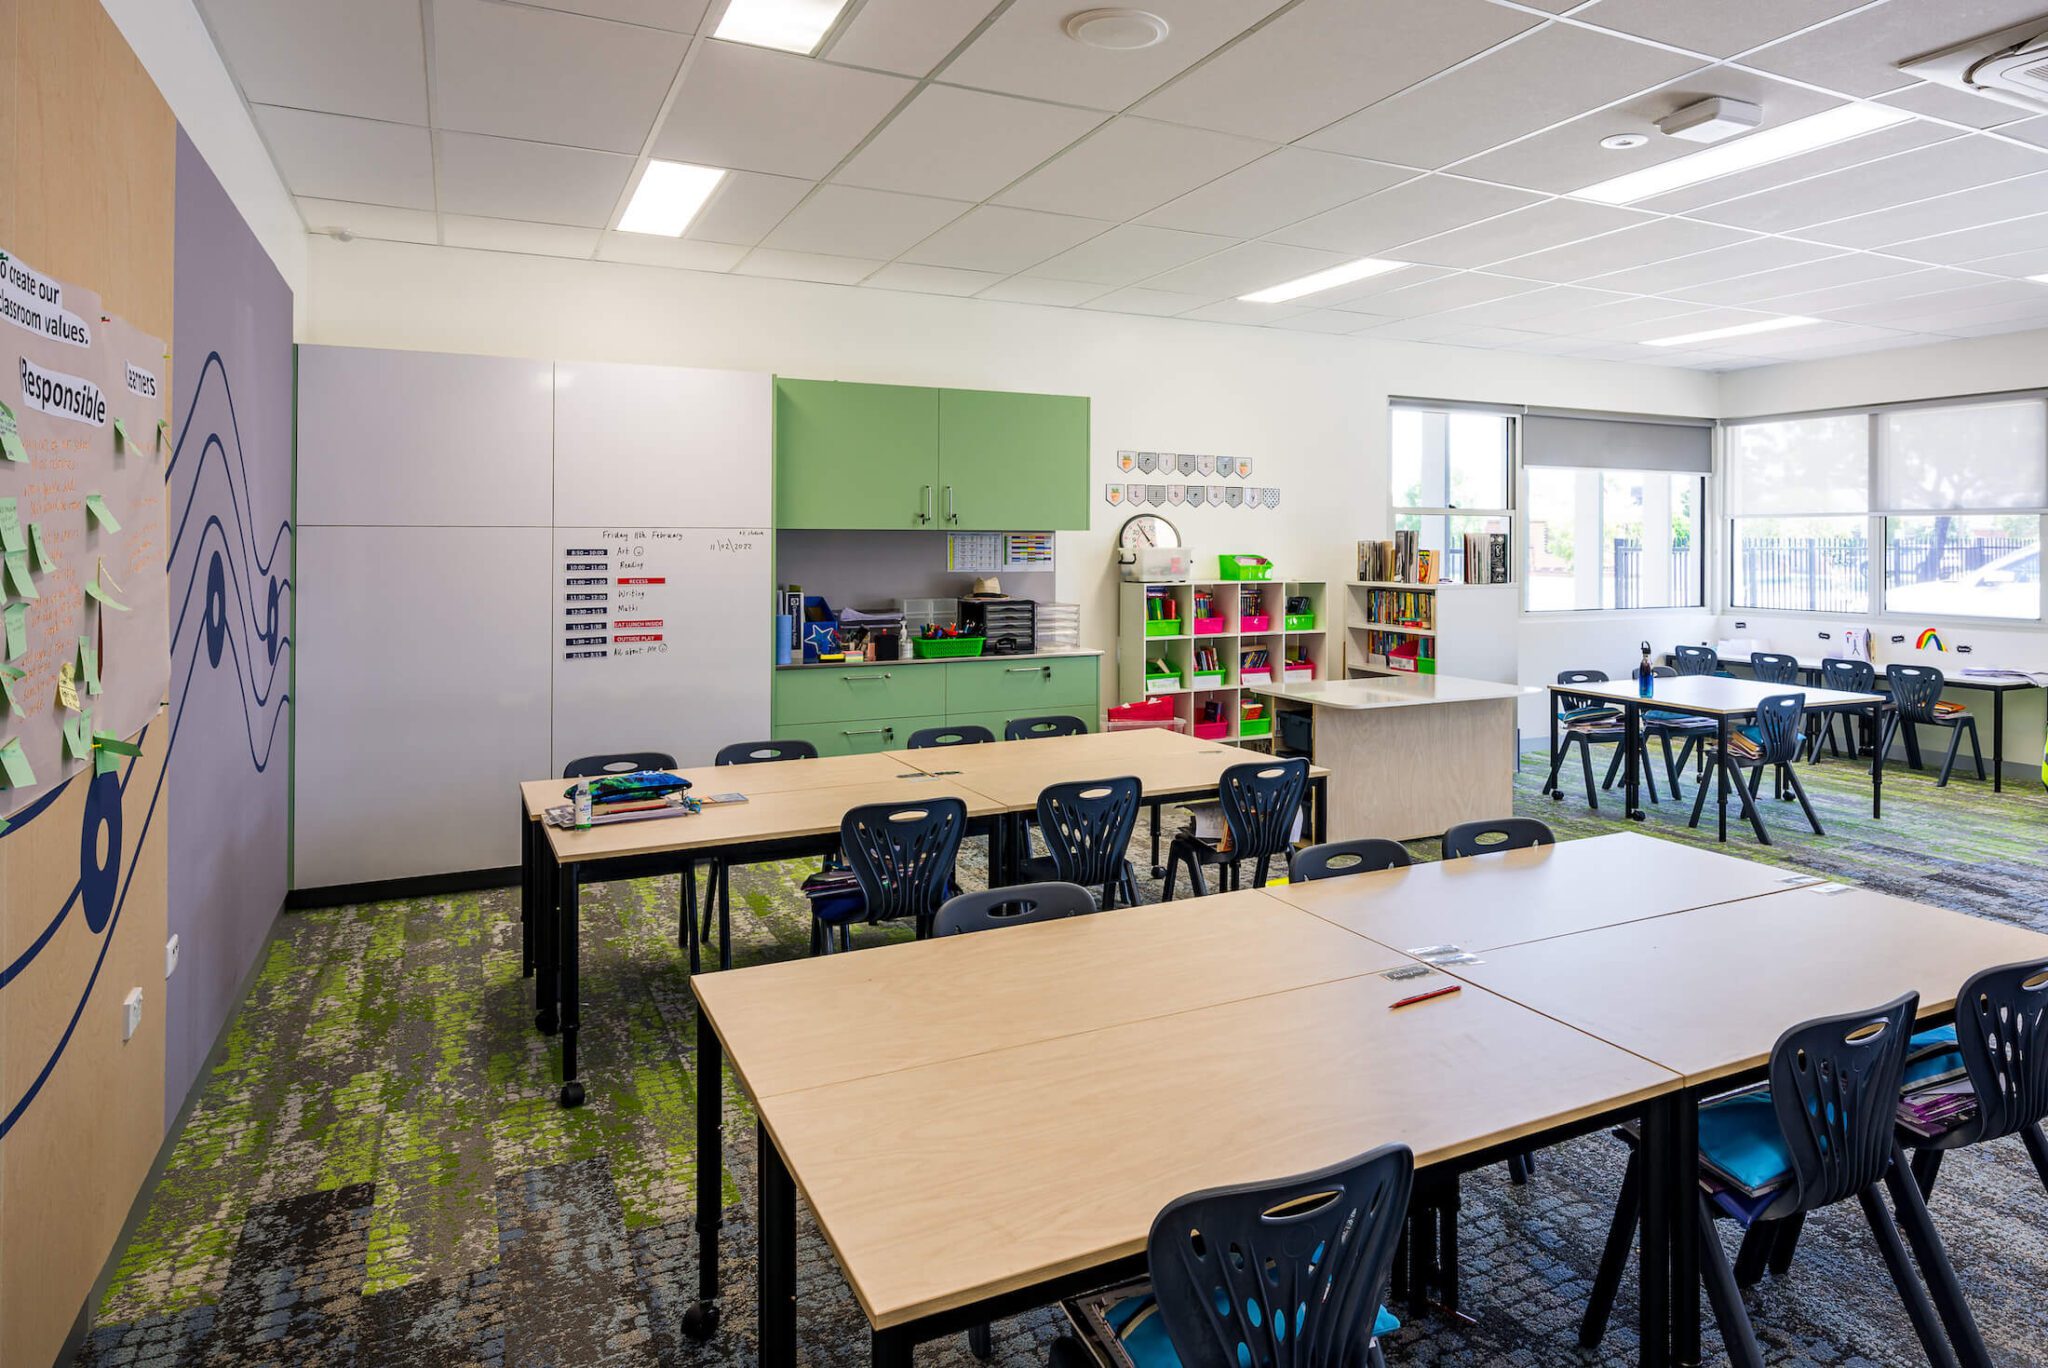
(131, 1015)
(170, 956)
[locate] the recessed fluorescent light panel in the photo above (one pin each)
(1739, 330)
(2039, 279)
(790, 25)
(1323, 280)
(1769, 145)
(669, 196)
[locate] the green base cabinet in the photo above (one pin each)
(875, 708)
(856, 737)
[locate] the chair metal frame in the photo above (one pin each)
(1261, 801)
(1915, 691)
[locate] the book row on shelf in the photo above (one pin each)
(1483, 560)
(1401, 608)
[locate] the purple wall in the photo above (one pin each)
(230, 476)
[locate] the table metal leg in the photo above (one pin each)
(547, 879)
(1158, 869)
(1550, 784)
(1877, 763)
(1685, 1230)
(889, 1349)
(777, 1240)
(1998, 740)
(1320, 830)
(700, 1321)
(693, 935)
(1654, 1264)
(1632, 744)
(1721, 779)
(725, 914)
(529, 831)
(569, 940)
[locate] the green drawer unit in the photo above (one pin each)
(858, 693)
(1023, 688)
(857, 737)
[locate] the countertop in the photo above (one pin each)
(940, 660)
(1392, 691)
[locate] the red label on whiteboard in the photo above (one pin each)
(637, 622)
(636, 636)
(643, 579)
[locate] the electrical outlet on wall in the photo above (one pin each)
(131, 1015)
(170, 956)
(1741, 626)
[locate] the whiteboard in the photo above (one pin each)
(661, 640)
(662, 445)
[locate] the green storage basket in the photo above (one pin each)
(1156, 627)
(946, 648)
(1258, 727)
(1241, 566)
(1208, 679)
(1301, 622)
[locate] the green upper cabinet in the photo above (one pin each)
(899, 456)
(856, 455)
(1012, 461)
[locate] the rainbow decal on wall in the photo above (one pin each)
(1928, 638)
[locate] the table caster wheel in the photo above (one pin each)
(544, 1021)
(1557, 795)
(700, 1321)
(572, 1094)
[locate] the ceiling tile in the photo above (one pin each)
(1356, 296)
(1325, 321)
(1973, 208)
(844, 220)
(1277, 189)
(1970, 160)
(1721, 29)
(677, 16)
(1436, 296)
(1679, 324)
(1654, 242)
(964, 144)
(1601, 320)
(370, 220)
(1325, 59)
(907, 36)
(1859, 54)
(1129, 166)
(1027, 52)
(642, 249)
(2032, 261)
(1853, 152)
(2024, 323)
(1980, 322)
(1949, 304)
(1554, 73)
(1783, 280)
(1429, 329)
(745, 206)
(1246, 268)
(994, 238)
(758, 110)
(1956, 106)
(1255, 315)
(504, 235)
(515, 72)
(331, 157)
(2008, 234)
(2034, 130)
(502, 178)
(1129, 253)
(1417, 209)
(829, 270)
(1906, 285)
(943, 280)
(363, 58)
(1534, 229)
(1569, 157)
(1159, 302)
(1515, 311)
(1722, 263)
(1029, 290)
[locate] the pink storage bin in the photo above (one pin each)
(1208, 626)
(1212, 731)
(1255, 622)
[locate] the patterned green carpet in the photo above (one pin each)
(376, 1172)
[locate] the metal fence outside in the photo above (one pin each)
(1832, 574)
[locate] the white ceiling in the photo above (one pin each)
(966, 147)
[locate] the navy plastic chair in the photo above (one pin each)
(1771, 667)
(1848, 676)
(1915, 691)
(1017, 905)
(764, 752)
(1087, 825)
(1695, 660)
(1334, 859)
(902, 854)
(1821, 1133)
(1777, 733)
(1037, 728)
(1585, 746)
(930, 738)
(1492, 837)
(1261, 812)
(646, 866)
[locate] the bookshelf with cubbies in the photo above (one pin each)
(1202, 642)
(1449, 627)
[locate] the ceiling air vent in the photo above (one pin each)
(2010, 66)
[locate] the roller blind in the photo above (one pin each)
(1616, 444)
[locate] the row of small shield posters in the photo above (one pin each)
(1194, 495)
(1167, 462)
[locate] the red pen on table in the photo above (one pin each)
(1425, 997)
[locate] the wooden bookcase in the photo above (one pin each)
(1459, 629)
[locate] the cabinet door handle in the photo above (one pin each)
(924, 505)
(870, 731)
(1045, 670)
(871, 677)
(951, 516)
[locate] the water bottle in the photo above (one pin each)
(1646, 674)
(582, 806)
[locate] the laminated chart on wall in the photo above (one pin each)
(82, 534)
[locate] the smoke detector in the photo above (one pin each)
(1710, 120)
(1118, 30)
(2010, 66)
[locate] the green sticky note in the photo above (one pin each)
(104, 761)
(95, 591)
(10, 435)
(16, 615)
(44, 560)
(14, 763)
(120, 435)
(97, 507)
(163, 429)
(17, 570)
(78, 737)
(7, 679)
(10, 526)
(108, 741)
(89, 665)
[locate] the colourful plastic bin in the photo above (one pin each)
(945, 648)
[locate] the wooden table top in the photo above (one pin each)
(1706, 993)
(943, 1184)
(1488, 901)
(900, 1006)
(1713, 695)
(771, 817)
(834, 771)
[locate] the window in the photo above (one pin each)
(1799, 503)
(1450, 477)
(1963, 487)
(1613, 512)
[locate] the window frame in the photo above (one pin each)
(1703, 524)
(1510, 473)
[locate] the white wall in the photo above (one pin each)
(1309, 409)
